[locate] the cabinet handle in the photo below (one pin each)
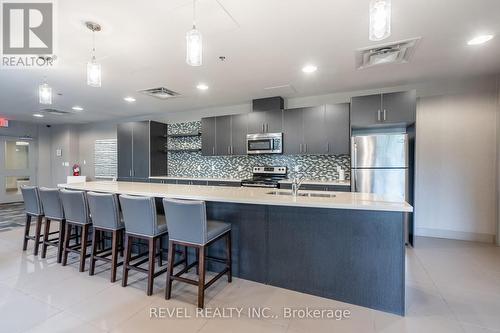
(305, 147)
(213, 150)
(328, 147)
(378, 115)
(267, 127)
(385, 113)
(301, 148)
(231, 150)
(263, 128)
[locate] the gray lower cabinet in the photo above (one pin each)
(397, 108)
(141, 150)
(223, 183)
(318, 187)
(208, 136)
(265, 121)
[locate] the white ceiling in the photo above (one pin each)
(266, 43)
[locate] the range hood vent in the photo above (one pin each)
(393, 53)
(55, 112)
(160, 93)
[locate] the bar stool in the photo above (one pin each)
(52, 207)
(105, 213)
(188, 226)
(142, 222)
(33, 208)
(76, 211)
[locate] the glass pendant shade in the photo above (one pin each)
(93, 73)
(194, 52)
(380, 19)
(45, 93)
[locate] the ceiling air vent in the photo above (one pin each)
(393, 53)
(161, 93)
(56, 112)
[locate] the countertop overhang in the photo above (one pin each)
(246, 195)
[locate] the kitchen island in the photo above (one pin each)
(345, 246)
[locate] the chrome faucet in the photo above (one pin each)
(296, 183)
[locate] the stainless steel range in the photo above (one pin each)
(266, 176)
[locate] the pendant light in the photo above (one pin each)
(45, 93)
(380, 19)
(93, 67)
(194, 50)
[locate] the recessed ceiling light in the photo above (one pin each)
(478, 40)
(202, 86)
(77, 108)
(309, 69)
(38, 115)
(129, 99)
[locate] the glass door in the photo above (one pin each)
(17, 167)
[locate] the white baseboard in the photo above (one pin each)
(452, 234)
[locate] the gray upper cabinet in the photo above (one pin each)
(124, 142)
(223, 135)
(239, 134)
(139, 149)
(383, 109)
(399, 107)
(314, 131)
(293, 138)
(265, 121)
(317, 130)
(366, 110)
(337, 129)
(208, 136)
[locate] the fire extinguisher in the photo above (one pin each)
(76, 170)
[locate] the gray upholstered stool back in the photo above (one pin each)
(51, 203)
(139, 215)
(32, 203)
(104, 210)
(75, 206)
(186, 220)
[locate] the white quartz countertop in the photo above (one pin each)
(246, 195)
(236, 180)
(320, 182)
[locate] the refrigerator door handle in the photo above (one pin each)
(353, 170)
(378, 115)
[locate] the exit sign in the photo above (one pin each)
(4, 122)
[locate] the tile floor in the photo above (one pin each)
(452, 286)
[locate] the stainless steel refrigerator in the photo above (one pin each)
(380, 165)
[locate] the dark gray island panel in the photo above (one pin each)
(353, 256)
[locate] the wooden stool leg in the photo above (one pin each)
(83, 247)
(151, 268)
(170, 268)
(66, 243)
(185, 256)
(38, 231)
(201, 278)
(26, 231)
(126, 260)
(228, 256)
(60, 242)
(114, 254)
(197, 251)
(160, 259)
(45, 237)
(121, 242)
(93, 251)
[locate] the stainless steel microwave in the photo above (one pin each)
(265, 143)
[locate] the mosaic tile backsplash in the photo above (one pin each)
(194, 164)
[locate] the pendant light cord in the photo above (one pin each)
(194, 14)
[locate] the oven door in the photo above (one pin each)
(269, 143)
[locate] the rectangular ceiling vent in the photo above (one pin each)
(393, 53)
(55, 112)
(160, 93)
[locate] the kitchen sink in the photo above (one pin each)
(303, 194)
